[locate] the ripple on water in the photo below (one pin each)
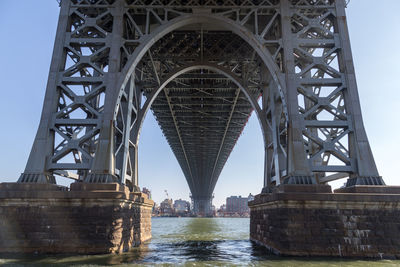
(192, 242)
(235, 251)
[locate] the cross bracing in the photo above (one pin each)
(202, 67)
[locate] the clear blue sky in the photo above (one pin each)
(27, 30)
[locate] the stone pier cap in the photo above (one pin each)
(358, 193)
(76, 191)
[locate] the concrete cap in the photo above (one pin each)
(301, 188)
(31, 187)
(371, 189)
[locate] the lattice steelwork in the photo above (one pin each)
(202, 67)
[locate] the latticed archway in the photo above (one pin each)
(212, 60)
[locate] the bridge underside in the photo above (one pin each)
(201, 113)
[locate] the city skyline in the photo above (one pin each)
(24, 76)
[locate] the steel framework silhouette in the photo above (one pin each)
(202, 67)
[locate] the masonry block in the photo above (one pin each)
(363, 221)
(88, 219)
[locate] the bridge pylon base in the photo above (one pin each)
(41, 178)
(310, 220)
(87, 219)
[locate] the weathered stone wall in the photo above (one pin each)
(145, 223)
(88, 219)
(327, 224)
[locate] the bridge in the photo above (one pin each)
(201, 110)
(202, 67)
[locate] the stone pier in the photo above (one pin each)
(87, 218)
(310, 220)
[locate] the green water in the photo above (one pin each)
(192, 242)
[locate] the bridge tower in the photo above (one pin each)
(108, 54)
(202, 67)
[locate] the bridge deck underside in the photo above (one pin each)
(201, 113)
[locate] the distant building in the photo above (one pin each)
(182, 206)
(147, 192)
(221, 211)
(238, 204)
(156, 210)
(222, 208)
(166, 208)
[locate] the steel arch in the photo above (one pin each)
(197, 66)
(189, 19)
(174, 24)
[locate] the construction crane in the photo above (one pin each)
(166, 193)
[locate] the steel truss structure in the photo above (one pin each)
(202, 67)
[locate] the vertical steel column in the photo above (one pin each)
(36, 170)
(367, 172)
(298, 169)
(125, 154)
(268, 151)
(272, 112)
(134, 136)
(103, 167)
(126, 159)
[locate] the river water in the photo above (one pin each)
(192, 242)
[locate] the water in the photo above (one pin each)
(192, 242)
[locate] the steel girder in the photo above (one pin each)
(201, 67)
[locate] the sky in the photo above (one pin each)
(27, 32)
